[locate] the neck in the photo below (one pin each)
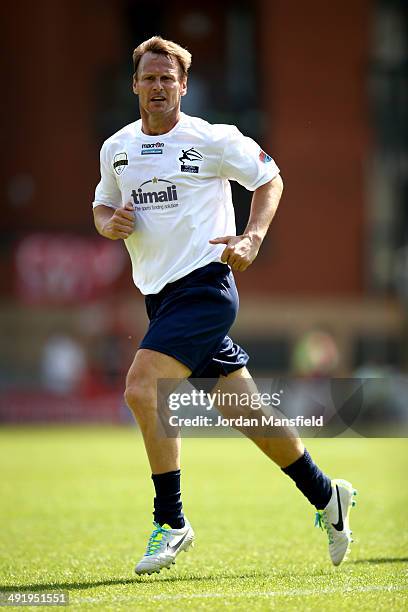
(155, 124)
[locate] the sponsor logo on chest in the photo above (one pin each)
(155, 190)
(152, 148)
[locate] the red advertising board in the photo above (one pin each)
(64, 269)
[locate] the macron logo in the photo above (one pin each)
(152, 148)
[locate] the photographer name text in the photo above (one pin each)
(241, 421)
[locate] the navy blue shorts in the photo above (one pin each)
(190, 320)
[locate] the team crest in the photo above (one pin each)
(190, 155)
(120, 162)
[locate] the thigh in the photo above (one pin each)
(240, 379)
(235, 385)
(148, 366)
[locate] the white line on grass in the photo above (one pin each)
(285, 593)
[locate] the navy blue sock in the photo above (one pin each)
(167, 503)
(314, 485)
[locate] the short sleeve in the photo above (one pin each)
(107, 191)
(244, 161)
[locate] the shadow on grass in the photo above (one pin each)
(53, 586)
(382, 560)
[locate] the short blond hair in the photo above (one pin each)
(160, 45)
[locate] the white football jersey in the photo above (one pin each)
(178, 183)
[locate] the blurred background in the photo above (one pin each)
(323, 87)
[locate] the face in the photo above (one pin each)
(159, 84)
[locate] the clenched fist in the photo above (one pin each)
(120, 225)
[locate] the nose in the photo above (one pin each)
(157, 84)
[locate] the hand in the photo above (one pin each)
(121, 224)
(240, 251)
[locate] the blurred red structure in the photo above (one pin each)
(62, 269)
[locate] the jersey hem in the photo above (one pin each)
(185, 272)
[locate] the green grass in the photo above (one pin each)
(76, 513)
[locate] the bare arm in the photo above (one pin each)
(241, 251)
(114, 224)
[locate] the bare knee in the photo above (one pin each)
(141, 383)
(141, 399)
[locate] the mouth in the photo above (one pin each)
(158, 99)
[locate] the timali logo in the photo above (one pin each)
(160, 190)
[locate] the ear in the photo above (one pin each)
(135, 85)
(183, 87)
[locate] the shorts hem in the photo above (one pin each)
(234, 368)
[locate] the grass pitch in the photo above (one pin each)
(76, 515)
